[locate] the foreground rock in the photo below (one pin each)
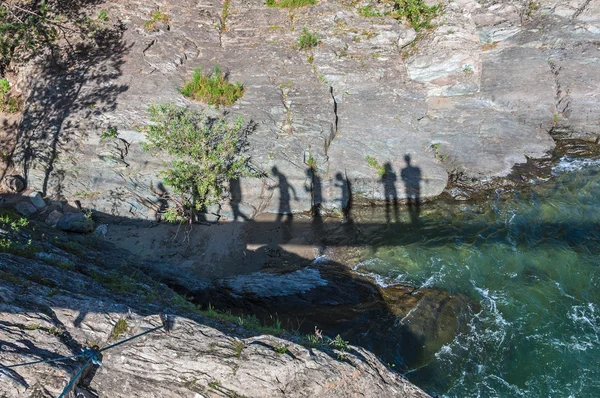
(477, 95)
(76, 296)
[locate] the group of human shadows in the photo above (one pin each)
(409, 174)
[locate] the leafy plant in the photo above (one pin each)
(119, 329)
(24, 29)
(369, 11)
(111, 132)
(307, 40)
(207, 154)
(311, 162)
(341, 345)
(281, 349)
(102, 16)
(8, 103)
(371, 161)
(155, 18)
(416, 13)
(213, 88)
(289, 3)
(237, 347)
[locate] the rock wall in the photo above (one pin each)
(478, 94)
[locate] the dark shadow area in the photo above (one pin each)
(71, 87)
(235, 193)
(285, 210)
(340, 302)
(388, 180)
(346, 198)
(411, 176)
(315, 189)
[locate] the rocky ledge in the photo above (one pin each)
(59, 295)
(482, 91)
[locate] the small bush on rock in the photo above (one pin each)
(8, 103)
(213, 88)
(156, 18)
(307, 40)
(207, 153)
(416, 12)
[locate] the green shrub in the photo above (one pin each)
(416, 13)
(103, 16)
(213, 89)
(307, 40)
(281, 349)
(371, 161)
(119, 329)
(289, 3)
(24, 29)
(155, 18)
(207, 154)
(369, 11)
(11, 220)
(8, 103)
(111, 132)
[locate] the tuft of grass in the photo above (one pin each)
(11, 246)
(111, 132)
(237, 347)
(307, 40)
(289, 3)
(11, 220)
(369, 11)
(281, 349)
(116, 282)
(8, 103)
(248, 322)
(119, 329)
(416, 13)
(371, 161)
(102, 16)
(311, 162)
(341, 345)
(155, 18)
(213, 88)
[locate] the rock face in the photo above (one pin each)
(474, 97)
(51, 309)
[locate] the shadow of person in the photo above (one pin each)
(235, 192)
(388, 180)
(284, 202)
(411, 176)
(316, 199)
(346, 198)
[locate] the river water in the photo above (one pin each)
(531, 259)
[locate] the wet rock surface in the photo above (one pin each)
(476, 96)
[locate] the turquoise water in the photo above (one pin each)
(531, 259)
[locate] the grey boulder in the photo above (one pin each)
(75, 222)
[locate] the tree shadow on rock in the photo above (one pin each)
(69, 90)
